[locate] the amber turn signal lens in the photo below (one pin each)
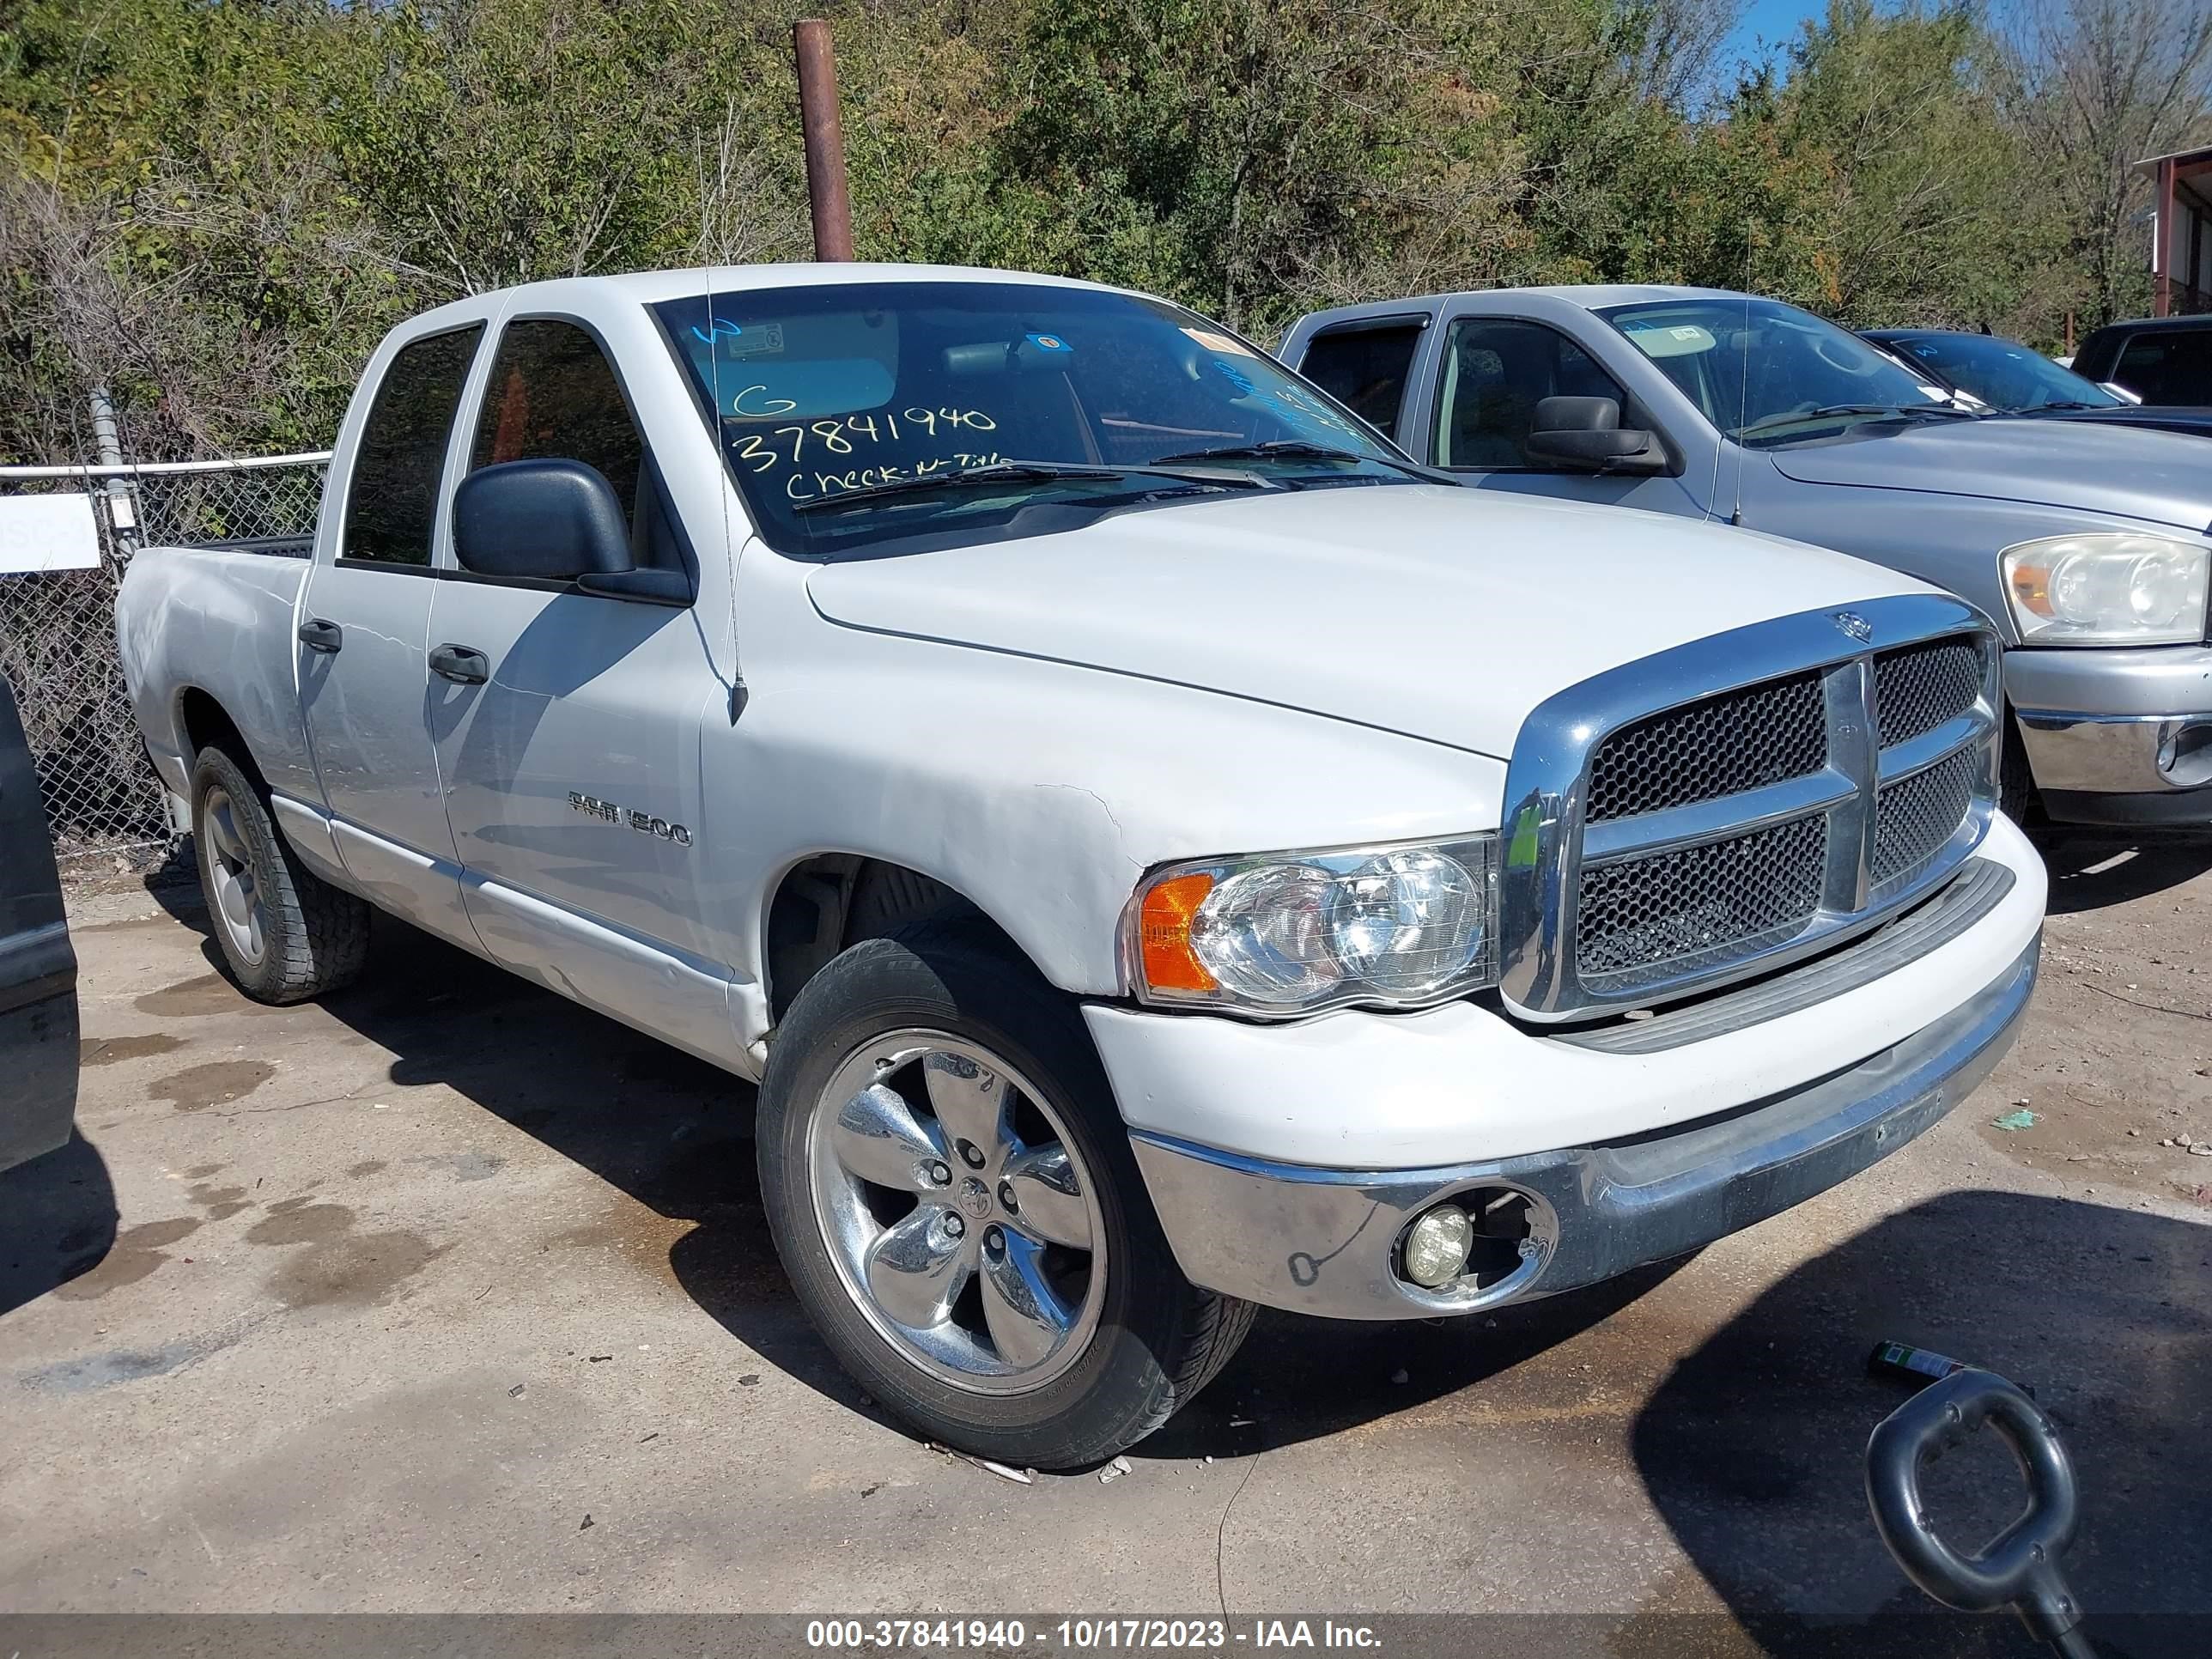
(1164, 935)
(2031, 585)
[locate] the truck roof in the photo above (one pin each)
(647, 287)
(1587, 296)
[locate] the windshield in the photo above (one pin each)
(1769, 373)
(965, 412)
(2003, 373)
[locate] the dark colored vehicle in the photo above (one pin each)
(2017, 379)
(38, 969)
(2162, 360)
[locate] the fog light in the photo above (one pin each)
(1437, 1246)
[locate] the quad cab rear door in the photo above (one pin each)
(364, 619)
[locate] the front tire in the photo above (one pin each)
(950, 1189)
(2018, 798)
(285, 934)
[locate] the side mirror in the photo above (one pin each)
(1586, 434)
(2119, 392)
(554, 520)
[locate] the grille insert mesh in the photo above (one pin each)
(1764, 734)
(1646, 920)
(1913, 819)
(1918, 688)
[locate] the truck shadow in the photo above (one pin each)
(1752, 1448)
(2091, 869)
(675, 1135)
(58, 1218)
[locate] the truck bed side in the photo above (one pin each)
(218, 621)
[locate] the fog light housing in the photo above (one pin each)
(1437, 1246)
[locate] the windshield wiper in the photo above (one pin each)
(1838, 411)
(1296, 449)
(1011, 471)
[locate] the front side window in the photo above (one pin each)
(2003, 373)
(858, 414)
(2170, 368)
(1365, 368)
(1766, 373)
(391, 503)
(553, 395)
(1496, 371)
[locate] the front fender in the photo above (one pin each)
(1042, 792)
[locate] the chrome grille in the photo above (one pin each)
(1918, 688)
(1675, 912)
(1654, 847)
(1718, 746)
(1914, 817)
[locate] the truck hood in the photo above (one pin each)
(2131, 472)
(1435, 612)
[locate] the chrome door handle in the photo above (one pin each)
(464, 664)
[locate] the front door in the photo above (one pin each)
(572, 767)
(363, 679)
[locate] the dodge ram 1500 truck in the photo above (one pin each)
(2087, 544)
(1158, 850)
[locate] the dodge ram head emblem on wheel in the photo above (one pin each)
(1854, 625)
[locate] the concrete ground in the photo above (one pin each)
(446, 1295)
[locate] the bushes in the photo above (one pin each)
(216, 210)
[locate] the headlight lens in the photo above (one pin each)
(1292, 932)
(2107, 589)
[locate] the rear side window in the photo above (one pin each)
(2172, 368)
(392, 502)
(1365, 369)
(553, 396)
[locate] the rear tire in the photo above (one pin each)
(909, 1074)
(285, 934)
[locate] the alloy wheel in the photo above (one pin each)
(961, 1218)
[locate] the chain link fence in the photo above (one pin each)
(57, 627)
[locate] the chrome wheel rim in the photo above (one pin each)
(961, 1219)
(233, 893)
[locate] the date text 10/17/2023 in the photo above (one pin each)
(1089, 1635)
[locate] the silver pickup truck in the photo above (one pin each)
(1159, 851)
(2088, 546)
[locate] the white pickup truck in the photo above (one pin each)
(1159, 851)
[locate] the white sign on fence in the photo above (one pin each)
(48, 533)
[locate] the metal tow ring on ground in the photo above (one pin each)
(2018, 1568)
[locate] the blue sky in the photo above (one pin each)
(1773, 20)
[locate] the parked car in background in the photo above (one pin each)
(2011, 379)
(2087, 544)
(1159, 850)
(2162, 360)
(38, 967)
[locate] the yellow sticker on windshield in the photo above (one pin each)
(1214, 342)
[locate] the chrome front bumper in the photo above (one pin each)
(1327, 1242)
(2117, 736)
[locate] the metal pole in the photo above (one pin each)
(2162, 251)
(825, 140)
(122, 510)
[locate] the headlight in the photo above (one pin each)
(2107, 589)
(1290, 932)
